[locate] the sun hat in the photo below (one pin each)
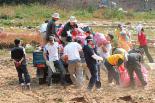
(55, 15)
(72, 19)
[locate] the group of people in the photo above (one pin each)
(88, 55)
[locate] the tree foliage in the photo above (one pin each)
(22, 1)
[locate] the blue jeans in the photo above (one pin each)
(95, 76)
(57, 64)
(23, 70)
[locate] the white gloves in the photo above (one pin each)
(47, 62)
(69, 33)
(96, 57)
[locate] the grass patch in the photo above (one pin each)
(35, 14)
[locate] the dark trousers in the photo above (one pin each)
(57, 64)
(95, 76)
(147, 53)
(135, 66)
(23, 70)
(112, 73)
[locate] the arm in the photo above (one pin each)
(53, 28)
(96, 57)
(45, 54)
(104, 48)
(141, 58)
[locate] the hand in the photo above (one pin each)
(20, 62)
(17, 64)
(115, 67)
(101, 59)
(47, 62)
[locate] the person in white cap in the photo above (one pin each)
(51, 27)
(69, 27)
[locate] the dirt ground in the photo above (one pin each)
(11, 92)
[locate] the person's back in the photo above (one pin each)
(17, 53)
(114, 59)
(51, 29)
(18, 56)
(73, 49)
(134, 57)
(133, 65)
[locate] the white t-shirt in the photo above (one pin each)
(43, 27)
(72, 50)
(105, 54)
(52, 50)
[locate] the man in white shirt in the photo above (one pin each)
(72, 50)
(52, 51)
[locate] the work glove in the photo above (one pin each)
(47, 62)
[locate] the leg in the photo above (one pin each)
(71, 70)
(116, 76)
(19, 71)
(109, 68)
(130, 70)
(26, 74)
(51, 65)
(50, 72)
(139, 74)
(87, 72)
(98, 82)
(103, 67)
(58, 64)
(79, 73)
(147, 53)
(93, 79)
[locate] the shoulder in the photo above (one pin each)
(50, 22)
(46, 46)
(86, 47)
(13, 49)
(67, 24)
(20, 48)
